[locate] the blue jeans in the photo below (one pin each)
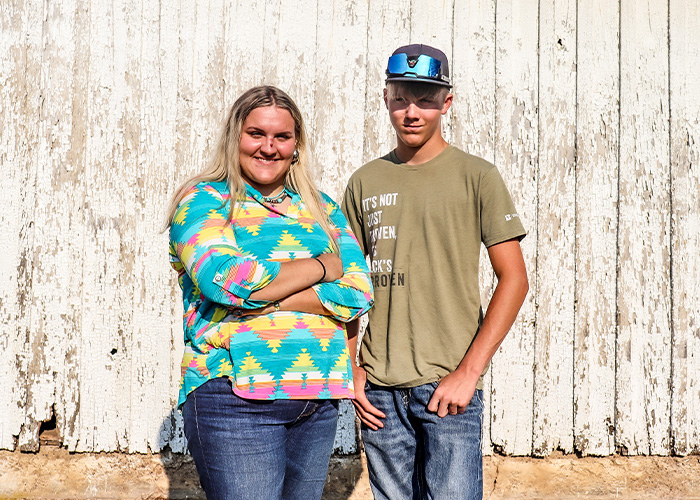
(418, 455)
(258, 450)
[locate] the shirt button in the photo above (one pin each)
(217, 278)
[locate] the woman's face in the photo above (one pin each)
(266, 148)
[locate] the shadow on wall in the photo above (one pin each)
(343, 473)
(179, 467)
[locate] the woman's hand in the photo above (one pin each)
(369, 414)
(333, 265)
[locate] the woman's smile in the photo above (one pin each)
(267, 147)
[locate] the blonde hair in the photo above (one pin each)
(225, 164)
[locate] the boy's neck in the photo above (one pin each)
(423, 154)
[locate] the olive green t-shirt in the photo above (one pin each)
(422, 227)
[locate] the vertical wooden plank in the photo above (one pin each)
(200, 81)
(644, 295)
(340, 89)
(138, 372)
(245, 33)
(106, 319)
(270, 13)
(190, 68)
(210, 53)
(340, 86)
(28, 357)
(473, 124)
(474, 77)
(685, 238)
(516, 155)
(68, 406)
(55, 263)
(388, 29)
(554, 330)
(161, 90)
(20, 39)
(150, 79)
(432, 23)
(126, 47)
(290, 56)
(597, 138)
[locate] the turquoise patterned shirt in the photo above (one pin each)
(281, 355)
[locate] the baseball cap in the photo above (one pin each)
(418, 63)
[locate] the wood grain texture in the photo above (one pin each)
(589, 109)
(155, 353)
(166, 172)
(390, 21)
(340, 87)
(56, 253)
(20, 41)
(512, 390)
(290, 58)
(243, 42)
(556, 265)
(68, 400)
(597, 143)
(684, 22)
(644, 293)
(473, 123)
(107, 322)
(432, 23)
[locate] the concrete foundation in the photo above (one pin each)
(53, 473)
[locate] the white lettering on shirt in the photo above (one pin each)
(373, 219)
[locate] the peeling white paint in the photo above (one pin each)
(106, 106)
(512, 385)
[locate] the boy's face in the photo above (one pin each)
(416, 119)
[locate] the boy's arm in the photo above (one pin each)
(455, 391)
(368, 413)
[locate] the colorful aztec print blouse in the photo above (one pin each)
(281, 355)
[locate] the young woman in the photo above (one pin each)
(270, 273)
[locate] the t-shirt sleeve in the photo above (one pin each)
(353, 213)
(499, 219)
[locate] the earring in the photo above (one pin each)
(295, 156)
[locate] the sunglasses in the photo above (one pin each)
(421, 67)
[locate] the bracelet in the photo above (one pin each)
(324, 269)
(276, 305)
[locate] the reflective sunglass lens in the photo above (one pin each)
(425, 66)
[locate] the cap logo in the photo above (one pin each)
(412, 62)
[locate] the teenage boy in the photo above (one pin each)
(421, 214)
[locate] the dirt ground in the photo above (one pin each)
(53, 473)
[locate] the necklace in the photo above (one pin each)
(274, 200)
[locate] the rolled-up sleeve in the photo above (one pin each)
(352, 295)
(203, 245)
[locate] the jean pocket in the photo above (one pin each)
(479, 396)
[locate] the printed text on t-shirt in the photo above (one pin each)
(372, 207)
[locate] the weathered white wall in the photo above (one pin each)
(590, 108)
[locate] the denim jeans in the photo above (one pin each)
(258, 450)
(418, 455)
